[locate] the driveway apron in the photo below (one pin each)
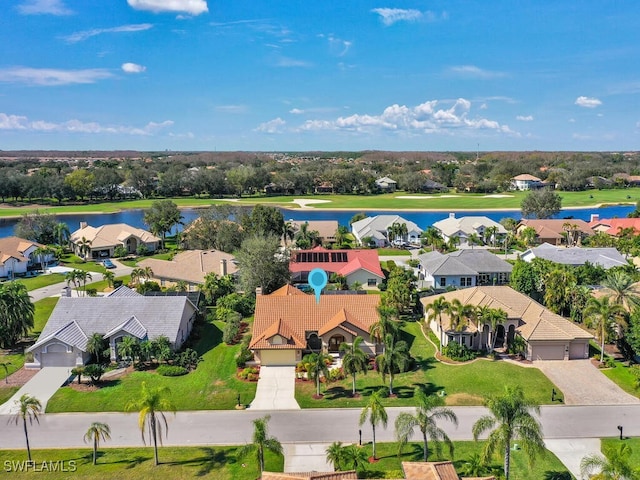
(276, 389)
(42, 386)
(583, 384)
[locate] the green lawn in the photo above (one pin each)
(75, 262)
(399, 252)
(464, 384)
(40, 281)
(623, 377)
(102, 284)
(212, 386)
(6, 392)
(634, 444)
(43, 309)
(137, 463)
(389, 464)
(389, 201)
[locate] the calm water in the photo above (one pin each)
(422, 218)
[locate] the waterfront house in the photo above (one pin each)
(16, 256)
(102, 241)
(463, 227)
(575, 256)
(378, 229)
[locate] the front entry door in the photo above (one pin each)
(334, 343)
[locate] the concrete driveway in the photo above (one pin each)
(276, 389)
(583, 384)
(42, 386)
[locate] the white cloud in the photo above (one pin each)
(423, 118)
(133, 68)
(588, 102)
(15, 122)
(389, 16)
(232, 108)
(83, 35)
(522, 118)
(52, 77)
(44, 7)
(475, 72)
(337, 46)
(191, 7)
(272, 126)
(296, 111)
(291, 62)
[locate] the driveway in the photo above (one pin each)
(276, 387)
(583, 384)
(306, 457)
(42, 386)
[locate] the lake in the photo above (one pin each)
(423, 218)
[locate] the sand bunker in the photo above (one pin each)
(498, 196)
(422, 197)
(306, 202)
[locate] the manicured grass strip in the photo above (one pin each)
(398, 252)
(6, 392)
(40, 281)
(16, 360)
(464, 384)
(633, 443)
(102, 284)
(137, 463)
(42, 313)
(624, 377)
(212, 386)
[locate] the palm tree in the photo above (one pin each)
(429, 409)
(432, 236)
(288, 231)
(386, 323)
(16, 319)
(28, 408)
(261, 442)
(127, 347)
(335, 455)
(306, 238)
(438, 307)
(622, 290)
(82, 277)
(614, 464)
(510, 419)
(61, 233)
(96, 345)
(354, 457)
(460, 314)
(95, 433)
(109, 277)
(136, 275)
(84, 247)
(341, 235)
(375, 412)
(394, 358)
(474, 239)
(528, 235)
(151, 404)
(603, 316)
(72, 277)
(354, 359)
(317, 366)
(42, 253)
(5, 365)
(491, 317)
(147, 273)
(491, 234)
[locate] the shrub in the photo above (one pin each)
(242, 304)
(244, 356)
(336, 374)
(94, 371)
(609, 362)
(120, 251)
(459, 353)
(231, 332)
(413, 262)
(117, 283)
(250, 373)
(142, 250)
(171, 370)
(92, 292)
(148, 287)
(188, 359)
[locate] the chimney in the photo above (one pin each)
(223, 267)
(258, 291)
(452, 215)
(83, 225)
(595, 217)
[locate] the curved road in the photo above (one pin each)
(66, 430)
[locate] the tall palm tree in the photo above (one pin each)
(5, 365)
(147, 273)
(96, 345)
(288, 231)
(491, 234)
(354, 457)
(42, 253)
(61, 233)
(437, 308)
(109, 277)
(261, 442)
(491, 317)
(394, 358)
(335, 455)
(28, 409)
(603, 316)
(16, 317)
(341, 235)
(510, 419)
(614, 464)
(460, 315)
(386, 323)
(429, 409)
(622, 289)
(84, 247)
(97, 431)
(82, 277)
(528, 235)
(136, 275)
(474, 239)
(375, 412)
(354, 359)
(127, 348)
(316, 367)
(152, 404)
(306, 238)
(432, 236)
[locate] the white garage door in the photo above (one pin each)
(578, 350)
(57, 356)
(278, 357)
(547, 352)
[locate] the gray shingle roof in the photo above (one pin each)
(376, 227)
(463, 262)
(131, 326)
(70, 333)
(159, 315)
(605, 257)
(468, 225)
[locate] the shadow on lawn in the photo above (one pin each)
(210, 460)
(204, 337)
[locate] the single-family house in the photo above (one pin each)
(96, 242)
(362, 266)
(386, 184)
(16, 256)
(325, 228)
(464, 227)
(525, 181)
(557, 231)
(378, 229)
(63, 341)
(191, 267)
(289, 323)
(603, 257)
(615, 226)
(548, 336)
(463, 268)
(431, 186)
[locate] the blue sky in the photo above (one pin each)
(320, 75)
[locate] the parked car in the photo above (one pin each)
(108, 264)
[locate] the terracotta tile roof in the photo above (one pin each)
(349, 475)
(553, 227)
(339, 319)
(111, 235)
(526, 176)
(536, 321)
(615, 224)
(355, 259)
(286, 290)
(281, 328)
(429, 471)
(190, 265)
(300, 314)
(325, 228)
(14, 247)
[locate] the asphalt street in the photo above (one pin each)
(303, 426)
